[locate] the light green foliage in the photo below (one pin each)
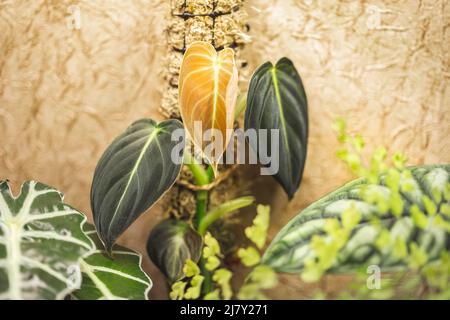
(190, 268)
(193, 292)
(257, 233)
(417, 257)
(178, 289)
(326, 248)
(193, 282)
(419, 218)
(190, 287)
(213, 295)
(249, 256)
(211, 252)
(223, 277)
(262, 277)
(393, 217)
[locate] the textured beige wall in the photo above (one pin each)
(66, 93)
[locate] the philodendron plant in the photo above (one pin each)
(394, 218)
(144, 162)
(49, 251)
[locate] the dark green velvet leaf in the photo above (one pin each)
(170, 244)
(277, 100)
(133, 173)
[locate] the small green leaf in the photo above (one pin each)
(213, 295)
(311, 272)
(212, 263)
(264, 276)
(223, 277)
(193, 292)
(430, 206)
(350, 218)
(212, 247)
(177, 292)
(170, 244)
(396, 204)
(383, 240)
(191, 268)
(249, 256)
(419, 218)
(445, 209)
(261, 278)
(399, 160)
(210, 252)
(257, 233)
(418, 256)
(400, 249)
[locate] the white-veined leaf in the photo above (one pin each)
(291, 248)
(41, 241)
(112, 278)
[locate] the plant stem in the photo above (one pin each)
(222, 210)
(202, 177)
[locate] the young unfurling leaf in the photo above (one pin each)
(208, 88)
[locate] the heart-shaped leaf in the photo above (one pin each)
(117, 278)
(41, 242)
(277, 101)
(133, 173)
(428, 186)
(208, 88)
(170, 244)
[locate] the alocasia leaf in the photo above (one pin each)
(170, 244)
(208, 88)
(277, 101)
(41, 242)
(292, 247)
(133, 173)
(112, 278)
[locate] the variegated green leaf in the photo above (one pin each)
(170, 244)
(291, 248)
(112, 278)
(133, 173)
(41, 241)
